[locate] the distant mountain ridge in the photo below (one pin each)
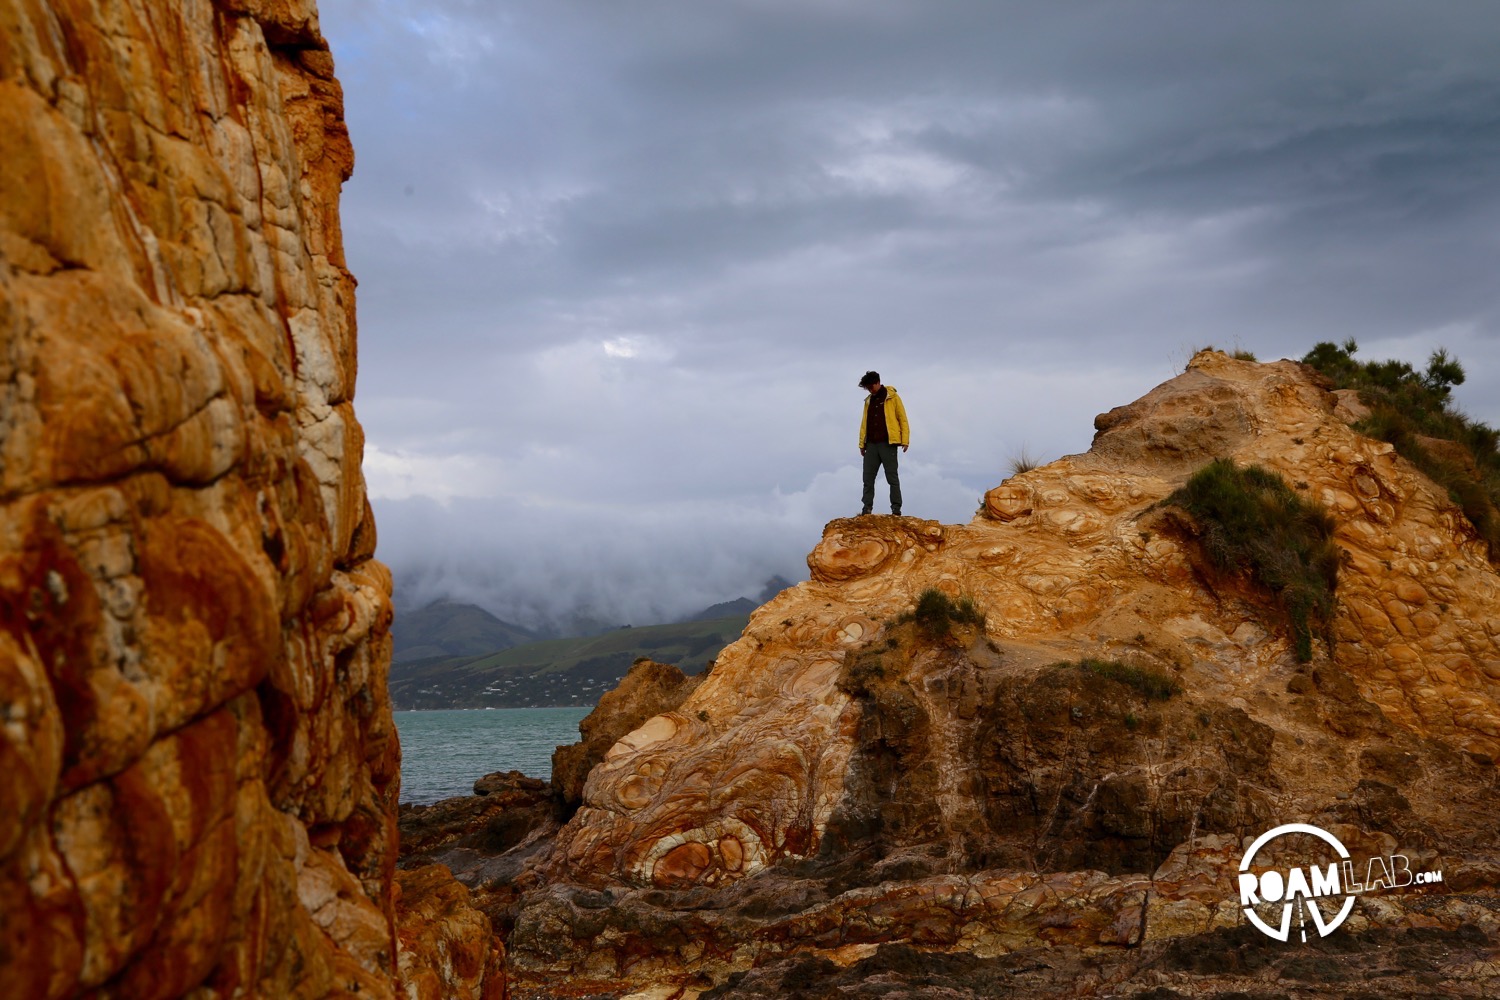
(740, 606)
(451, 655)
(448, 628)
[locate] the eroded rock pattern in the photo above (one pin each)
(838, 785)
(198, 768)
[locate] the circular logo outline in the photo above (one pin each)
(1285, 931)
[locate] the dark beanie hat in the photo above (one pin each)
(870, 379)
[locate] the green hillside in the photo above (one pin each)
(556, 671)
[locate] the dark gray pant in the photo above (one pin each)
(878, 453)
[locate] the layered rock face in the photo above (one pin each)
(842, 784)
(199, 773)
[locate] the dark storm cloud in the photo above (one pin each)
(620, 263)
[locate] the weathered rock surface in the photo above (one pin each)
(445, 949)
(842, 785)
(198, 768)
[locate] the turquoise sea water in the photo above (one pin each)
(442, 752)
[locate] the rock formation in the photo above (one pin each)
(845, 792)
(199, 775)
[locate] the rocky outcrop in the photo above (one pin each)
(506, 805)
(845, 783)
(200, 769)
(648, 690)
(1067, 558)
(485, 840)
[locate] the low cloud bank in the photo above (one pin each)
(553, 566)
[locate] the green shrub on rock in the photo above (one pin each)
(1250, 519)
(936, 613)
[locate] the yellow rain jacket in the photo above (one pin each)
(895, 419)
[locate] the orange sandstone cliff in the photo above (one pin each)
(198, 766)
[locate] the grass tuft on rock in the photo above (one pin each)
(936, 613)
(1151, 684)
(1250, 519)
(1023, 461)
(1413, 411)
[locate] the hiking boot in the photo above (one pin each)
(863, 512)
(896, 512)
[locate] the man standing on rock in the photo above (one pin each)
(882, 427)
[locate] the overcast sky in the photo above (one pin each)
(621, 264)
